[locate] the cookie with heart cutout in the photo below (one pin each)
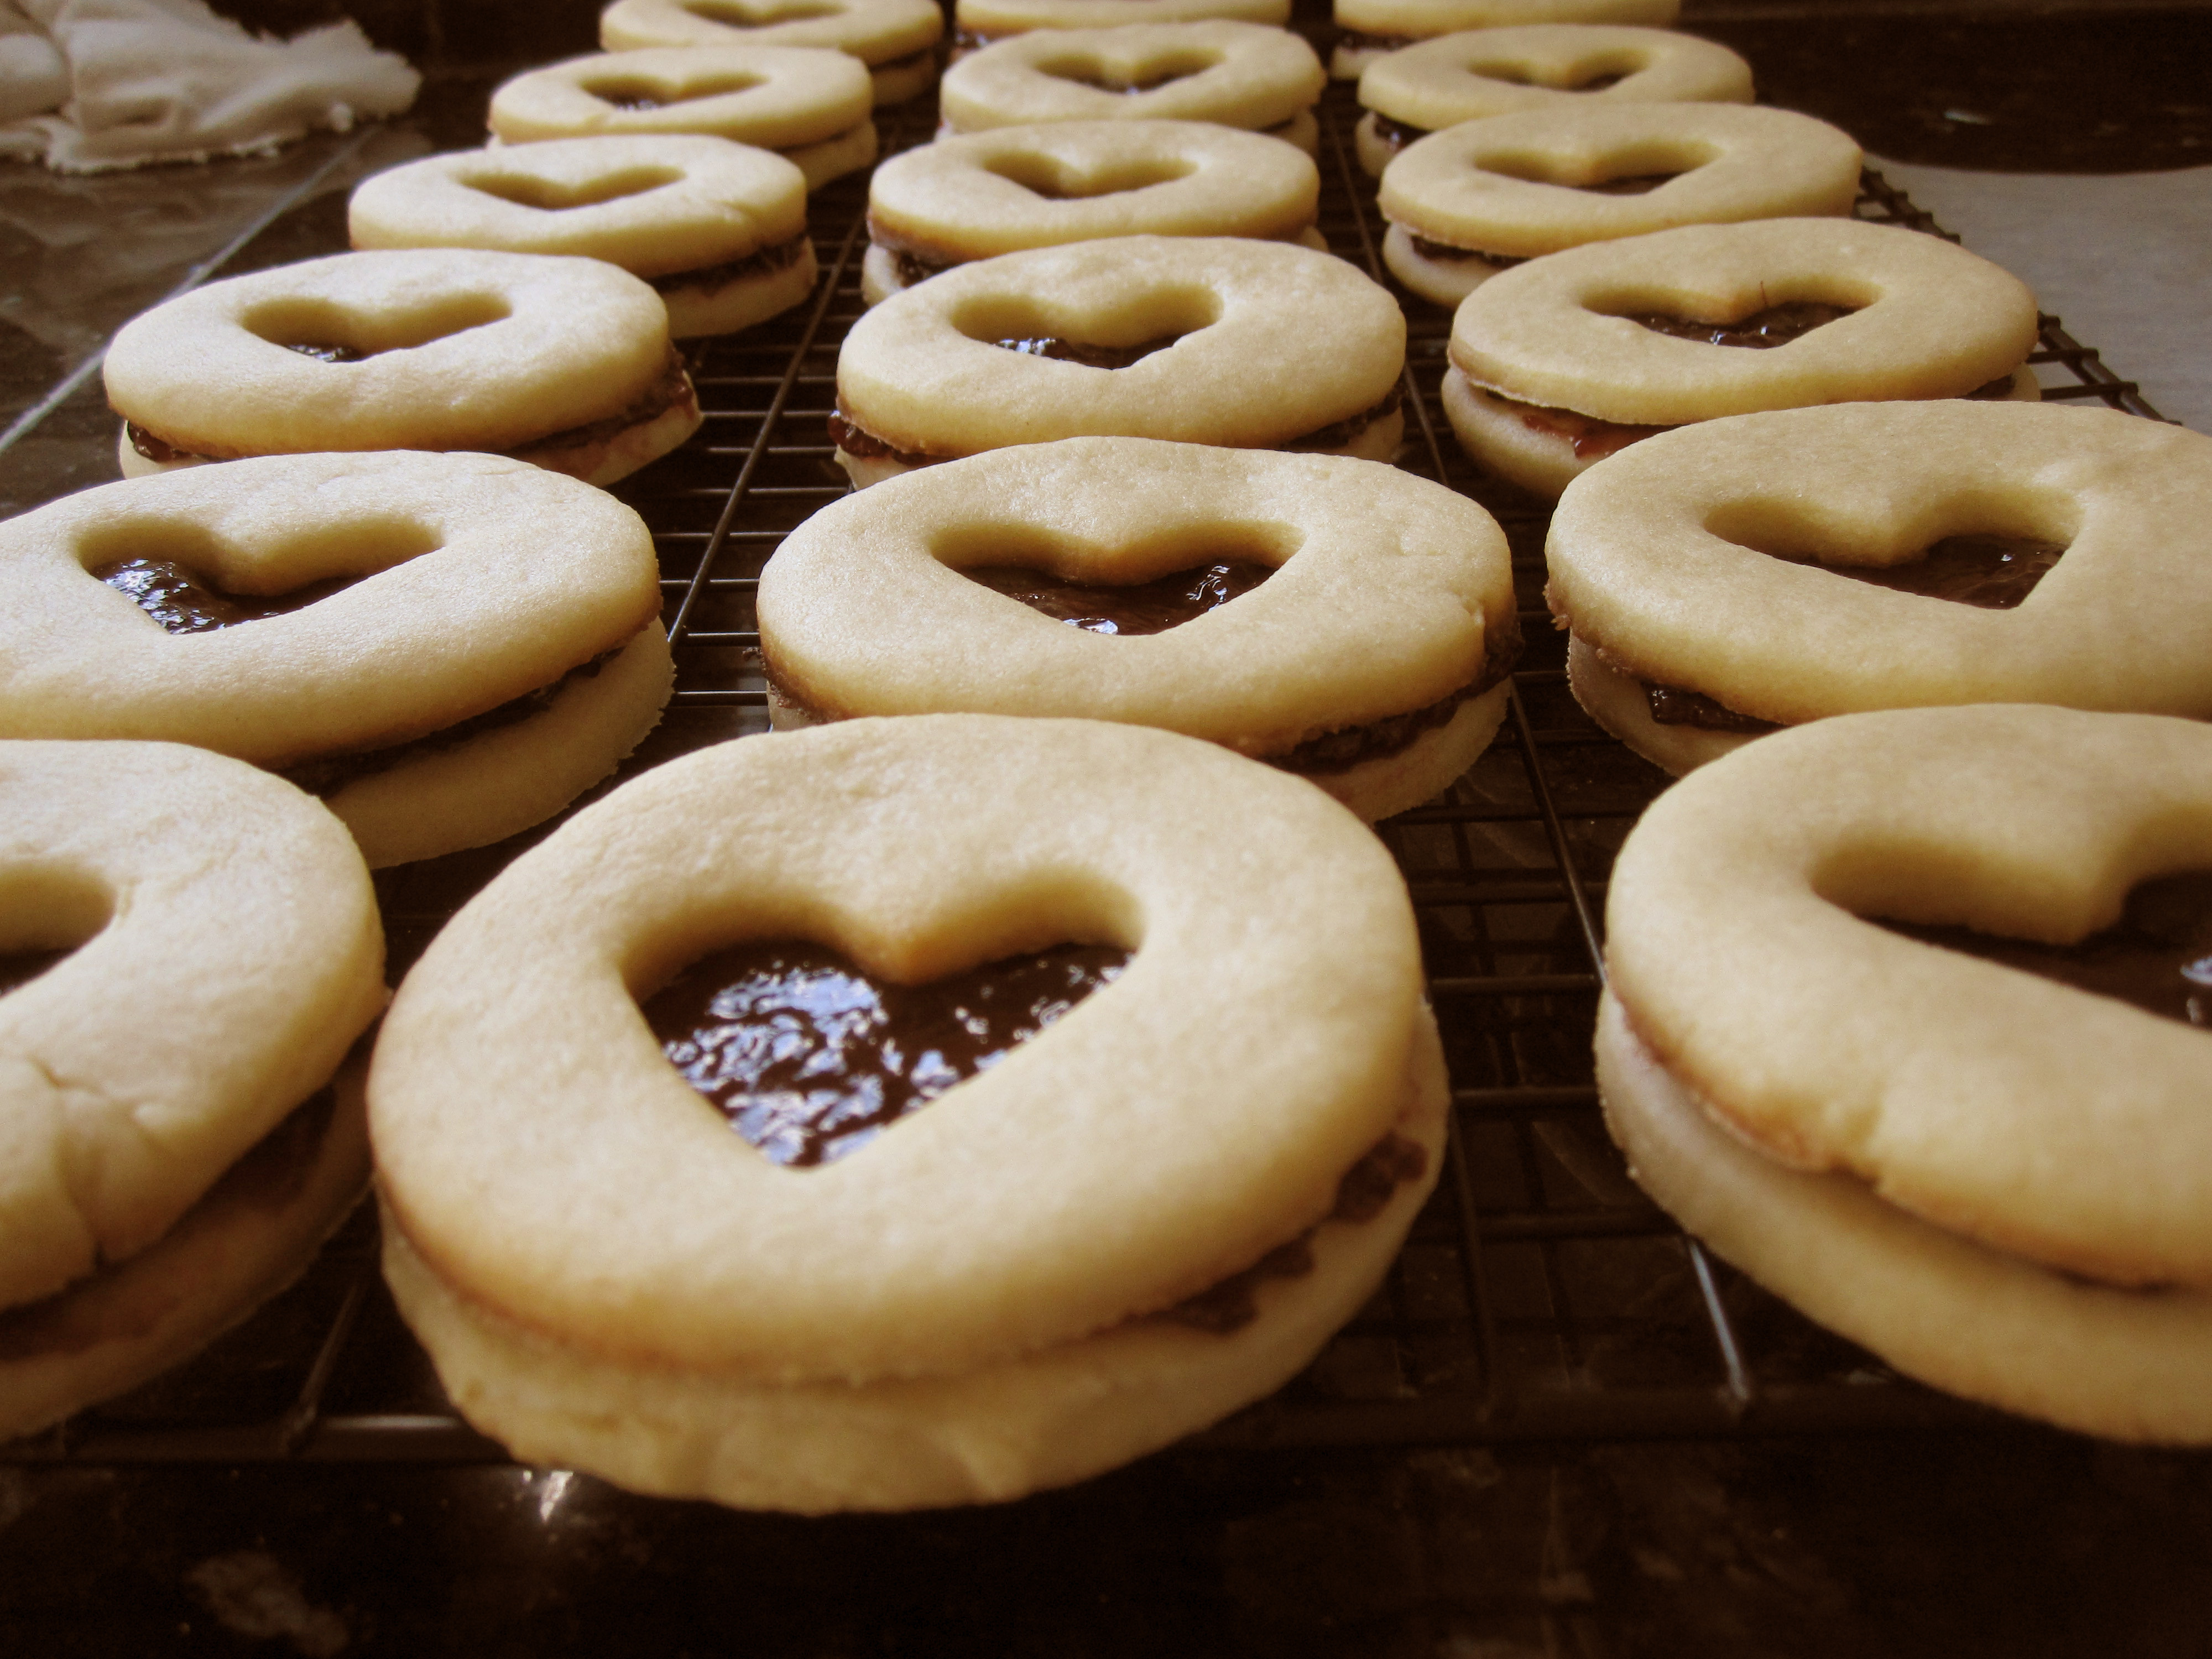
(896, 38)
(1368, 29)
(1153, 1208)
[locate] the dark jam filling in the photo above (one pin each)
(1448, 254)
(19, 967)
(1675, 705)
(1081, 351)
(1359, 41)
(810, 1058)
(2159, 956)
(1776, 325)
(1338, 751)
(328, 354)
(913, 268)
(781, 257)
(1397, 134)
(1136, 608)
(186, 603)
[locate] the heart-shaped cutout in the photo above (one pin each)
(553, 195)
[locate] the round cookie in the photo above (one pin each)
(226, 920)
(1372, 658)
(1683, 564)
(1368, 29)
(449, 349)
(1273, 346)
(1239, 75)
(1761, 947)
(980, 22)
(1557, 363)
(1478, 198)
(1499, 71)
(896, 38)
(448, 648)
(990, 1318)
(1011, 188)
(717, 229)
(809, 104)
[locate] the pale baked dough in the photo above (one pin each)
(659, 206)
(1276, 342)
(809, 104)
(483, 581)
(469, 350)
(994, 19)
(227, 952)
(1389, 595)
(1652, 559)
(896, 38)
(1512, 185)
(1011, 188)
(1170, 1131)
(2125, 1364)
(1239, 75)
(2033, 1117)
(1393, 25)
(1498, 71)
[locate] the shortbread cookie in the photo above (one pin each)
(1239, 75)
(1566, 359)
(1501, 72)
(896, 38)
(226, 921)
(1368, 29)
(1466, 203)
(988, 193)
(718, 229)
(562, 362)
(809, 104)
(1923, 993)
(447, 648)
(1028, 1280)
(1337, 618)
(1218, 340)
(1706, 604)
(977, 23)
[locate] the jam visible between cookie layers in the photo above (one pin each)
(1397, 135)
(2158, 957)
(670, 389)
(1776, 325)
(810, 1059)
(1082, 351)
(781, 256)
(1993, 573)
(184, 604)
(1137, 608)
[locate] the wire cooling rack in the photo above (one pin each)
(1540, 1296)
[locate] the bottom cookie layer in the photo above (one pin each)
(1618, 701)
(1390, 784)
(1045, 1419)
(694, 310)
(1444, 281)
(2128, 1364)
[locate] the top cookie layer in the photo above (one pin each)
(1929, 320)
(1479, 72)
(986, 193)
(1276, 341)
(1422, 19)
(538, 1148)
(650, 204)
(873, 30)
(1240, 75)
(1520, 184)
(2041, 1119)
(993, 18)
(776, 97)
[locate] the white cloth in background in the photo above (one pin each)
(169, 81)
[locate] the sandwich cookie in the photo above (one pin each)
(1337, 618)
(1467, 202)
(189, 948)
(1774, 569)
(446, 648)
(1900, 1021)
(977, 23)
(1201, 339)
(1011, 188)
(1501, 72)
(562, 362)
(632, 1248)
(809, 104)
(1568, 359)
(717, 229)
(896, 38)
(1238, 75)
(1368, 29)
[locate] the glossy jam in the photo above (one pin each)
(810, 1059)
(2158, 957)
(1763, 329)
(323, 352)
(1152, 607)
(1993, 572)
(183, 603)
(1091, 356)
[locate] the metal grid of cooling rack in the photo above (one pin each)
(1539, 1297)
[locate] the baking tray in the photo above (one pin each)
(1539, 1297)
